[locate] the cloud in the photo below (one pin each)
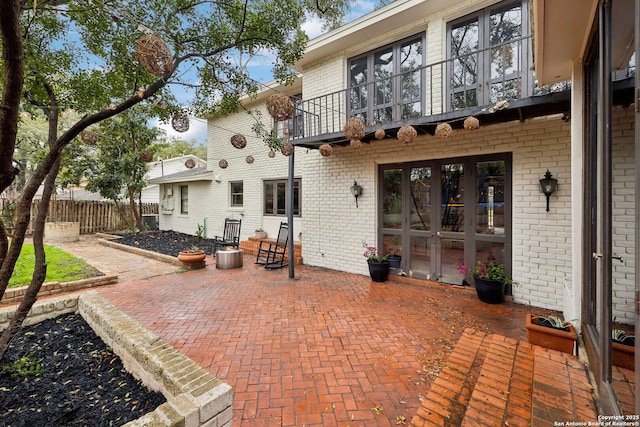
(313, 27)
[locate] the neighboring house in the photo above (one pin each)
(465, 195)
(162, 167)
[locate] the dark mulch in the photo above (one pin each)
(165, 242)
(81, 381)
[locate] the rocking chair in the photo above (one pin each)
(271, 255)
(230, 236)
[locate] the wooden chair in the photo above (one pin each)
(230, 236)
(271, 255)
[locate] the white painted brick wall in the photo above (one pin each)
(335, 228)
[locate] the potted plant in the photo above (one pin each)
(489, 279)
(624, 349)
(378, 263)
(260, 233)
(394, 258)
(192, 256)
(551, 332)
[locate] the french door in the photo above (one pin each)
(439, 214)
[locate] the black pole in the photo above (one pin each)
(290, 215)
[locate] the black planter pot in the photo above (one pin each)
(379, 271)
(489, 291)
(394, 261)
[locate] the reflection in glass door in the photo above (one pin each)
(451, 233)
(420, 232)
(441, 214)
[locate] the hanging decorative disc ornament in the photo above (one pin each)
(249, 159)
(223, 164)
(380, 134)
(355, 143)
(287, 149)
(271, 154)
(180, 122)
(190, 163)
(238, 141)
(443, 130)
(89, 137)
(146, 156)
(326, 150)
(154, 55)
(407, 134)
(279, 106)
(471, 123)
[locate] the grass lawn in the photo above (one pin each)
(61, 267)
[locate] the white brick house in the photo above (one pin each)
(236, 190)
(472, 195)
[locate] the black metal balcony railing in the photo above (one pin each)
(434, 89)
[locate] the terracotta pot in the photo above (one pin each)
(624, 355)
(191, 257)
(555, 339)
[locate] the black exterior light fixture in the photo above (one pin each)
(548, 186)
(356, 190)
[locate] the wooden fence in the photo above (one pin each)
(93, 216)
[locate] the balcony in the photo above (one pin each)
(445, 91)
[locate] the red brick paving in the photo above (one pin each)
(324, 349)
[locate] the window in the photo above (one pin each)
(275, 197)
(489, 57)
(387, 84)
(184, 199)
(237, 194)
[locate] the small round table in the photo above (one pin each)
(228, 258)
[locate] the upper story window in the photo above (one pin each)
(275, 199)
(387, 84)
(237, 194)
(184, 199)
(490, 56)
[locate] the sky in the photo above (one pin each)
(259, 69)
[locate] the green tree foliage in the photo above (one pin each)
(118, 166)
(170, 148)
(81, 54)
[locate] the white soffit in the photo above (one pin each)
(395, 15)
(561, 32)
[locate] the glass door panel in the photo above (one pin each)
(420, 221)
(420, 199)
(452, 255)
(490, 198)
(420, 257)
(452, 206)
(392, 198)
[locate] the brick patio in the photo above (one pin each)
(334, 349)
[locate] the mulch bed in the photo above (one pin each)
(165, 242)
(80, 381)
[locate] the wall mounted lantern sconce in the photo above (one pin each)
(356, 190)
(548, 186)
